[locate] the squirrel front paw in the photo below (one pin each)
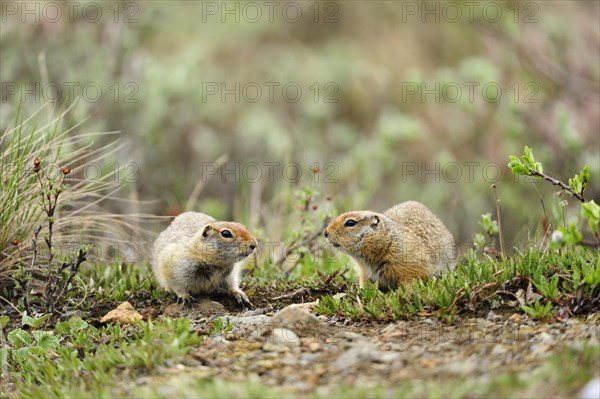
(242, 299)
(185, 300)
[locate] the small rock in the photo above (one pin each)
(123, 314)
(204, 307)
(307, 359)
(74, 313)
(515, 318)
(541, 349)
(396, 330)
(314, 346)
(271, 347)
(219, 337)
(428, 363)
(499, 349)
(364, 352)
(254, 312)
(246, 321)
(294, 314)
(545, 338)
(245, 325)
(299, 320)
(173, 309)
(463, 367)
(150, 313)
(289, 360)
(350, 336)
(285, 337)
(491, 316)
(207, 307)
(305, 305)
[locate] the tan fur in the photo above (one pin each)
(405, 242)
(192, 257)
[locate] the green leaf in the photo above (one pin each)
(516, 166)
(27, 320)
(579, 182)
(77, 324)
(41, 320)
(479, 240)
(21, 354)
(590, 210)
(526, 165)
(528, 158)
(571, 234)
(489, 226)
(19, 338)
(575, 184)
(45, 339)
(592, 275)
(4, 321)
(37, 350)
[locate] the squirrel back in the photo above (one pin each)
(181, 229)
(404, 242)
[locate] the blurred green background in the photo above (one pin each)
(392, 100)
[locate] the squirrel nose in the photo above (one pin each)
(325, 233)
(253, 246)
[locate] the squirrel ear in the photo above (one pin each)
(205, 230)
(376, 220)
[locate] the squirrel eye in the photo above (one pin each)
(226, 234)
(350, 223)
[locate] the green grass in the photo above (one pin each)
(539, 284)
(75, 358)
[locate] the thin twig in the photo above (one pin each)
(299, 291)
(81, 257)
(36, 232)
(11, 305)
(335, 274)
(557, 182)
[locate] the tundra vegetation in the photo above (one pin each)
(513, 173)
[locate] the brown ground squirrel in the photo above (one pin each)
(404, 242)
(197, 254)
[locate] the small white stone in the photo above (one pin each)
(284, 337)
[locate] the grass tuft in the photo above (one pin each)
(544, 286)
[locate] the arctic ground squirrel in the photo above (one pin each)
(405, 242)
(198, 255)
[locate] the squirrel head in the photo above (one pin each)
(224, 242)
(349, 231)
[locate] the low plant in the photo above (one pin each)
(564, 234)
(546, 286)
(85, 358)
(50, 213)
(306, 239)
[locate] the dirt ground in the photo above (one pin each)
(296, 349)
